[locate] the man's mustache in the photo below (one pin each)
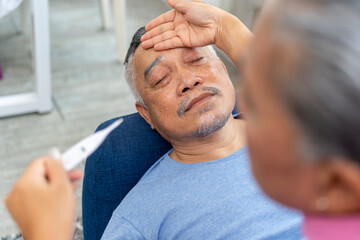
(186, 101)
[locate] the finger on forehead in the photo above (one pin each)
(158, 30)
(163, 18)
(199, 1)
(159, 38)
(169, 44)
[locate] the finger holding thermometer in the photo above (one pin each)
(83, 149)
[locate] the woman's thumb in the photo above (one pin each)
(55, 171)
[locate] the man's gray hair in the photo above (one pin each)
(130, 71)
(322, 92)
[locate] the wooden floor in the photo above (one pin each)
(87, 82)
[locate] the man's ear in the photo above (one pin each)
(339, 186)
(143, 111)
(223, 65)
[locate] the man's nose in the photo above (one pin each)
(187, 82)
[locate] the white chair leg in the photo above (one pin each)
(24, 15)
(32, 45)
(105, 14)
(42, 54)
(120, 28)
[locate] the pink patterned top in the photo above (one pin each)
(331, 228)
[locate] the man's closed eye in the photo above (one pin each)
(197, 60)
(162, 79)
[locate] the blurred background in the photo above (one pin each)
(62, 74)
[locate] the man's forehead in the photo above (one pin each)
(143, 57)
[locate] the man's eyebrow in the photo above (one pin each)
(151, 66)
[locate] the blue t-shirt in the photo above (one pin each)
(210, 200)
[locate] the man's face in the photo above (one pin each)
(272, 134)
(187, 91)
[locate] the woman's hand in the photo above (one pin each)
(189, 24)
(42, 201)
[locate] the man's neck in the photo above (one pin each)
(219, 144)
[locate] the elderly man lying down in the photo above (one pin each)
(203, 187)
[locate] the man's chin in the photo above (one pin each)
(209, 124)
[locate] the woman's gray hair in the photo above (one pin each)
(322, 92)
(130, 71)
